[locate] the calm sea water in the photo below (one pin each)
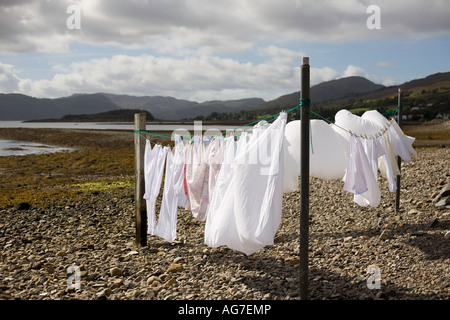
(20, 148)
(13, 147)
(107, 125)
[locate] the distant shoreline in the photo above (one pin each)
(158, 122)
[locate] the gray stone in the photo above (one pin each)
(386, 234)
(115, 272)
(442, 202)
(175, 268)
(447, 235)
(418, 233)
(105, 293)
(443, 193)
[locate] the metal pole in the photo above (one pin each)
(304, 175)
(399, 160)
(140, 208)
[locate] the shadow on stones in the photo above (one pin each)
(433, 245)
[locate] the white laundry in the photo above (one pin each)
(401, 143)
(355, 124)
(328, 153)
(238, 186)
(359, 178)
(385, 164)
(179, 161)
(215, 155)
(166, 227)
(154, 160)
(245, 210)
(197, 177)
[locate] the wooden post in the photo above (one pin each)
(304, 176)
(140, 207)
(399, 160)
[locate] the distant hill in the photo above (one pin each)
(329, 90)
(22, 107)
(430, 82)
(326, 95)
(169, 108)
(121, 115)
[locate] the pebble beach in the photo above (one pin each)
(76, 210)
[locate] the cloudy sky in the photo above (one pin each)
(223, 49)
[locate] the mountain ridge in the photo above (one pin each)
(16, 106)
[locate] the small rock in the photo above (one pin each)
(444, 192)
(170, 282)
(177, 259)
(386, 234)
(132, 253)
(267, 296)
(413, 211)
(117, 283)
(83, 274)
(175, 268)
(115, 272)
(292, 260)
(279, 239)
(37, 265)
(418, 233)
(61, 253)
(105, 293)
(151, 280)
(434, 223)
(442, 202)
(447, 235)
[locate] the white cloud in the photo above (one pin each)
(211, 26)
(199, 77)
(354, 71)
(8, 80)
(319, 75)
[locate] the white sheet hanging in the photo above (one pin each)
(179, 161)
(215, 155)
(328, 153)
(154, 160)
(247, 202)
(400, 141)
(166, 227)
(356, 124)
(197, 177)
(359, 178)
(387, 166)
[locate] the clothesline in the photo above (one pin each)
(272, 117)
(269, 119)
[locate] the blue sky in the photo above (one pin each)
(206, 50)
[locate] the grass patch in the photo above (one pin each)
(102, 186)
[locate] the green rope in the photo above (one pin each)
(303, 102)
(328, 121)
(394, 111)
